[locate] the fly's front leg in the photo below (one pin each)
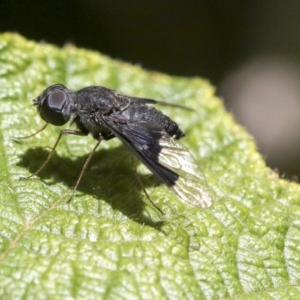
(65, 131)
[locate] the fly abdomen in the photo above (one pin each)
(143, 112)
(166, 123)
(173, 129)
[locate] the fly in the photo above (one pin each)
(149, 134)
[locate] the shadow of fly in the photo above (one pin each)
(149, 134)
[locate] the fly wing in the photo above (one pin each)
(191, 185)
(166, 158)
(151, 101)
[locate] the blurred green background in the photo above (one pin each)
(250, 50)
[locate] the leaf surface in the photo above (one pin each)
(109, 242)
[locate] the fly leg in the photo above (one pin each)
(65, 131)
(84, 167)
(31, 135)
(142, 185)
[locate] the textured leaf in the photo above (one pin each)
(109, 242)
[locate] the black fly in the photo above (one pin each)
(148, 133)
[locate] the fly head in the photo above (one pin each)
(54, 104)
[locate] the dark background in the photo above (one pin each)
(250, 50)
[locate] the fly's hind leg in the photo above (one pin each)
(142, 185)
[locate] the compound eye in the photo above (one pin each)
(52, 107)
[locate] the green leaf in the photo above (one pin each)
(109, 242)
